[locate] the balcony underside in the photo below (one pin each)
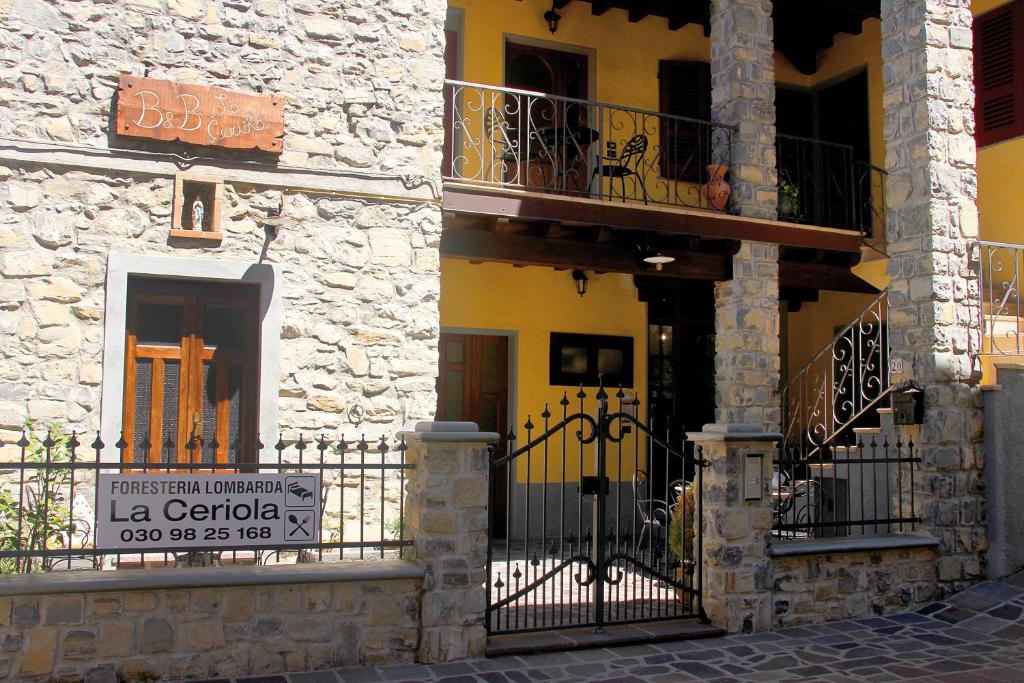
(535, 229)
(802, 27)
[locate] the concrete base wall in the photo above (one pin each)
(104, 634)
(1004, 476)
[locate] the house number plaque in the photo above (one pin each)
(199, 114)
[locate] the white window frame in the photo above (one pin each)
(122, 266)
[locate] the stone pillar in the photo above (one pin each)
(933, 298)
(747, 361)
(737, 571)
(446, 517)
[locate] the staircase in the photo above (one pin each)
(844, 388)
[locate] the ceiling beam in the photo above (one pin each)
(599, 7)
(526, 250)
(560, 4)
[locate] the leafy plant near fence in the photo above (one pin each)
(36, 513)
(675, 528)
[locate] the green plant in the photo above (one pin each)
(679, 519)
(45, 510)
(393, 527)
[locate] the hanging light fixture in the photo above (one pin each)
(580, 279)
(658, 260)
(552, 18)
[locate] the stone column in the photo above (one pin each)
(737, 571)
(932, 219)
(446, 516)
(747, 362)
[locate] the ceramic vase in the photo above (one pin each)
(717, 189)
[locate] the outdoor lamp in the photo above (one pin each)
(658, 260)
(580, 279)
(552, 17)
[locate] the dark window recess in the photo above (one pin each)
(999, 73)
(588, 359)
(685, 90)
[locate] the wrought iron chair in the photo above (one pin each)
(629, 163)
(654, 513)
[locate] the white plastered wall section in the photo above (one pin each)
(122, 266)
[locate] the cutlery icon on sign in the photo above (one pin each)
(297, 525)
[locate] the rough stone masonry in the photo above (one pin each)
(360, 274)
(933, 297)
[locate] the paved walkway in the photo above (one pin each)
(975, 636)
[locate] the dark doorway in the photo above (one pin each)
(680, 365)
(832, 179)
(473, 387)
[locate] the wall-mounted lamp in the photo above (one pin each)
(580, 279)
(657, 259)
(552, 18)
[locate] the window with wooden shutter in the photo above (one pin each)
(685, 90)
(999, 73)
(191, 372)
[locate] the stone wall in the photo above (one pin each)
(934, 314)
(359, 270)
(812, 589)
(211, 632)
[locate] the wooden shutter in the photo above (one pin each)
(999, 73)
(685, 90)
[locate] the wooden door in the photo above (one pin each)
(473, 386)
(191, 372)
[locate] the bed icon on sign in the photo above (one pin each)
(300, 492)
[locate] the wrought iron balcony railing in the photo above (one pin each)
(544, 143)
(1000, 267)
(822, 183)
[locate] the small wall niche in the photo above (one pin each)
(197, 200)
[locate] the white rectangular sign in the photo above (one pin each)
(148, 511)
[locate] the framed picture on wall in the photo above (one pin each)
(587, 358)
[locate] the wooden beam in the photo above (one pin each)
(559, 4)
(549, 208)
(599, 7)
(638, 9)
(793, 275)
(526, 250)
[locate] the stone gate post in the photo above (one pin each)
(737, 571)
(446, 518)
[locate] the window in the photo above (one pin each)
(999, 73)
(685, 90)
(590, 359)
(191, 369)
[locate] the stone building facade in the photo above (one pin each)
(354, 269)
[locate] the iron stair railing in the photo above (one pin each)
(839, 385)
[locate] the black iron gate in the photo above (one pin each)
(602, 522)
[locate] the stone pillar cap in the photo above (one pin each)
(440, 432)
(733, 431)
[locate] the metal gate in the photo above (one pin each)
(601, 524)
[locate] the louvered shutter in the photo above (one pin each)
(685, 89)
(999, 73)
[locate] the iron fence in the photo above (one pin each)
(49, 501)
(854, 489)
(529, 140)
(999, 276)
(822, 183)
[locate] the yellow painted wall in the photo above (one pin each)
(533, 302)
(814, 325)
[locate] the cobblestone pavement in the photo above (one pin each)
(977, 635)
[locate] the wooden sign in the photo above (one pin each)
(199, 114)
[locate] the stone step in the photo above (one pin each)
(585, 638)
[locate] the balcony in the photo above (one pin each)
(570, 148)
(578, 148)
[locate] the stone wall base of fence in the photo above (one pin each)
(202, 623)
